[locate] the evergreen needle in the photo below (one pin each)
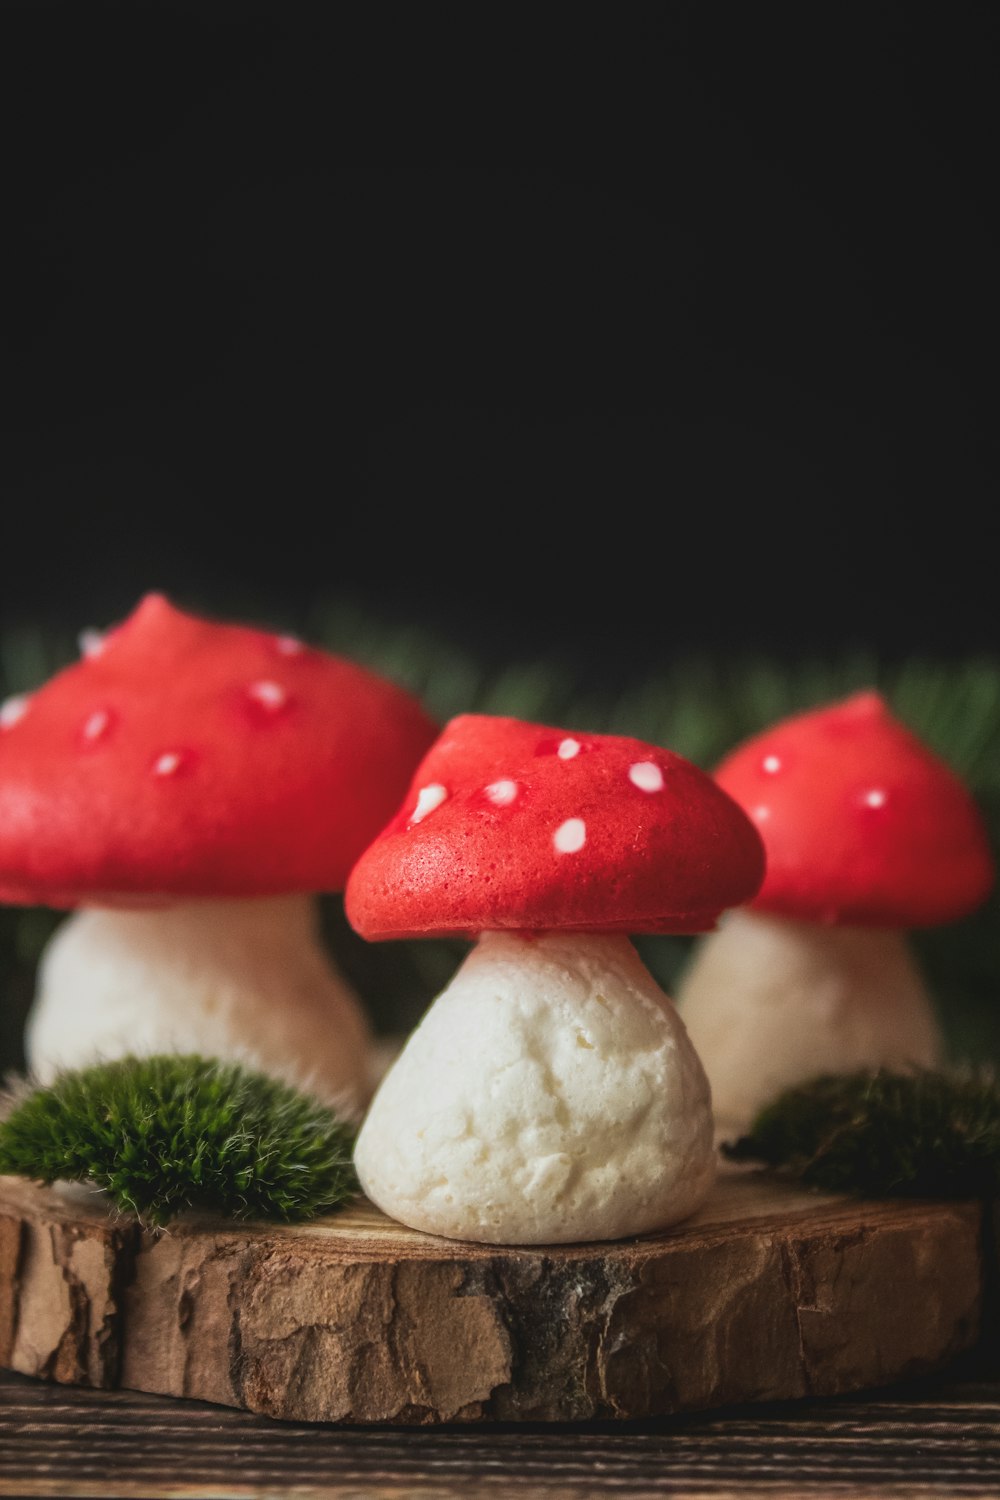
(165, 1133)
(924, 1134)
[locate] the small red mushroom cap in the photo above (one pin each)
(511, 824)
(863, 824)
(183, 758)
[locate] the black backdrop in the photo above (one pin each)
(628, 328)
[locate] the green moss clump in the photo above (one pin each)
(166, 1133)
(880, 1133)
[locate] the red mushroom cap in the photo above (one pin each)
(862, 823)
(509, 824)
(187, 758)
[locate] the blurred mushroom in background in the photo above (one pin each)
(186, 790)
(868, 835)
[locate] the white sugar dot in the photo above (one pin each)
(570, 836)
(771, 763)
(428, 798)
(568, 748)
(762, 814)
(267, 694)
(97, 724)
(167, 763)
(13, 709)
(646, 775)
(875, 798)
(502, 792)
(289, 645)
(90, 642)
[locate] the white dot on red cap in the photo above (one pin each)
(502, 793)
(289, 645)
(875, 798)
(167, 763)
(761, 814)
(570, 836)
(267, 694)
(771, 763)
(91, 642)
(568, 748)
(13, 709)
(646, 775)
(428, 798)
(97, 724)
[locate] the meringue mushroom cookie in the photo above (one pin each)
(868, 834)
(770, 1002)
(185, 758)
(549, 1095)
(863, 824)
(522, 826)
(248, 981)
(181, 767)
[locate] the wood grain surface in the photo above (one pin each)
(927, 1438)
(768, 1293)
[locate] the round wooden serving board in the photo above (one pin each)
(767, 1293)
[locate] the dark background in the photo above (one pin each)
(618, 330)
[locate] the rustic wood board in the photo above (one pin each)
(768, 1293)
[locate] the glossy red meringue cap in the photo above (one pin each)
(185, 758)
(862, 822)
(516, 825)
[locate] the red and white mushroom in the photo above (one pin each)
(868, 834)
(550, 1092)
(192, 786)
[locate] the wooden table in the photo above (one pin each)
(937, 1437)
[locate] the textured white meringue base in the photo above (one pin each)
(769, 1002)
(549, 1094)
(245, 980)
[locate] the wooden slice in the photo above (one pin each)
(767, 1293)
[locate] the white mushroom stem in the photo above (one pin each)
(770, 1002)
(245, 980)
(549, 1094)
